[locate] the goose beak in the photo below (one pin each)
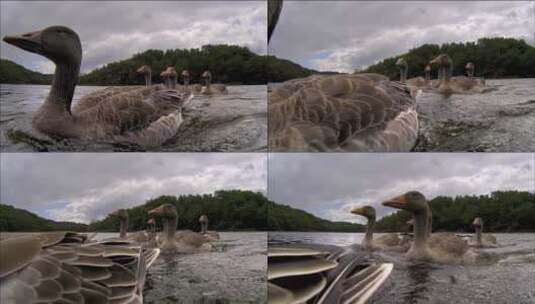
(398, 202)
(30, 42)
(357, 210)
(156, 211)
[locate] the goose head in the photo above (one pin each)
(469, 69)
(167, 211)
(207, 76)
(144, 70)
(412, 201)
(444, 63)
(365, 211)
(477, 223)
(185, 76)
(57, 43)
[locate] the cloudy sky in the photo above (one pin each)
(112, 31)
(82, 187)
(328, 185)
(342, 36)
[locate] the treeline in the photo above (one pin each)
(14, 219)
(502, 211)
(227, 210)
(492, 57)
(17, 74)
(286, 218)
(228, 64)
(280, 70)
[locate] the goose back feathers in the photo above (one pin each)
(360, 112)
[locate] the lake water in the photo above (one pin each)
(233, 122)
(508, 276)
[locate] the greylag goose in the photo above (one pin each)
(480, 240)
(322, 274)
(390, 241)
(146, 71)
(211, 88)
(438, 247)
(185, 241)
(455, 85)
(138, 236)
(415, 82)
(211, 235)
(146, 116)
(361, 112)
(194, 88)
(62, 267)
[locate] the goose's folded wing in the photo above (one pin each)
(326, 111)
(356, 283)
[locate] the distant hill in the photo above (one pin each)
(286, 218)
(502, 211)
(13, 73)
(492, 57)
(280, 70)
(14, 219)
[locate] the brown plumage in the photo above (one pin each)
(359, 112)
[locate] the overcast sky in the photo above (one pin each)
(328, 185)
(112, 31)
(342, 36)
(82, 187)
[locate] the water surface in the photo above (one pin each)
(233, 122)
(506, 276)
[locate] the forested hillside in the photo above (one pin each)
(492, 57)
(13, 73)
(13, 219)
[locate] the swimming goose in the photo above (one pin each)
(166, 78)
(211, 88)
(438, 247)
(185, 241)
(212, 235)
(360, 112)
(194, 88)
(63, 267)
(416, 82)
(480, 240)
(455, 85)
(146, 116)
(138, 236)
(322, 274)
(146, 71)
(390, 241)
(172, 77)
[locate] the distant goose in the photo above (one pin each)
(481, 240)
(210, 88)
(166, 78)
(63, 267)
(193, 88)
(321, 274)
(146, 71)
(390, 241)
(147, 116)
(138, 236)
(438, 247)
(455, 85)
(417, 82)
(212, 235)
(182, 241)
(361, 112)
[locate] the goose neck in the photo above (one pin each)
(420, 229)
(65, 80)
(148, 79)
(169, 227)
(368, 238)
(123, 228)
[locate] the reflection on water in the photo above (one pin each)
(509, 277)
(233, 122)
